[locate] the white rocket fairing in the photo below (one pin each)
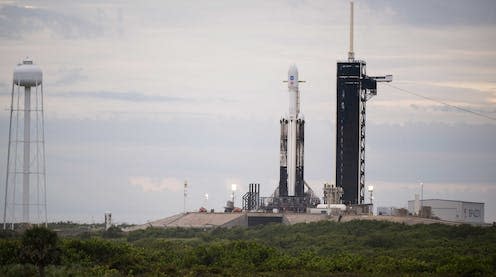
(294, 94)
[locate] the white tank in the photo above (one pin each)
(332, 206)
(27, 74)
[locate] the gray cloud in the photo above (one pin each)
(438, 12)
(459, 153)
(442, 108)
(481, 110)
(133, 96)
(4, 89)
(122, 96)
(70, 75)
(17, 21)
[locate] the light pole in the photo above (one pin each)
(371, 190)
(233, 190)
(421, 197)
(185, 195)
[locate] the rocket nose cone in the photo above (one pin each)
(293, 70)
(293, 76)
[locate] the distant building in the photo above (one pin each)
(451, 210)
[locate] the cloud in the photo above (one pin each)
(444, 13)
(438, 187)
(156, 185)
(444, 108)
(122, 96)
(17, 21)
(484, 86)
(4, 89)
(70, 76)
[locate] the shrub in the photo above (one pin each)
(39, 247)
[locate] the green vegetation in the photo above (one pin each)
(356, 248)
(39, 247)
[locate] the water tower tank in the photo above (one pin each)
(27, 74)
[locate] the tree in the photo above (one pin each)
(39, 247)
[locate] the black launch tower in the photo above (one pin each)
(353, 88)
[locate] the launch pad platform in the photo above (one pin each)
(229, 220)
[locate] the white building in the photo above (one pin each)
(451, 210)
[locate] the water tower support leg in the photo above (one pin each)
(26, 153)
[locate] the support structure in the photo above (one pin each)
(354, 89)
(251, 199)
(27, 154)
(25, 181)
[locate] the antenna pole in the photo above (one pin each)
(351, 54)
(185, 195)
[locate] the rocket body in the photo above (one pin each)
(291, 173)
(294, 110)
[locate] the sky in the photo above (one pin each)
(143, 95)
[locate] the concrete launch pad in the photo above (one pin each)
(228, 220)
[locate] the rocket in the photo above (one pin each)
(291, 181)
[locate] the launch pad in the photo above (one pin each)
(290, 195)
(353, 89)
(252, 201)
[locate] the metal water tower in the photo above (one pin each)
(25, 181)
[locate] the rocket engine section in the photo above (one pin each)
(299, 186)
